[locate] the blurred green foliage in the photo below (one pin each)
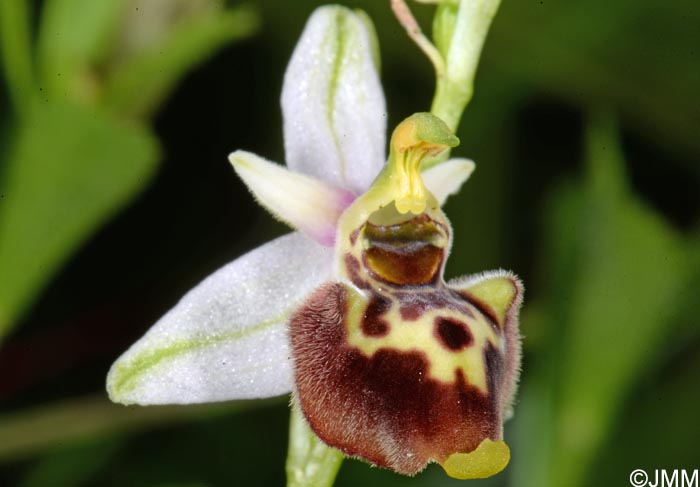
(618, 275)
(78, 144)
(585, 126)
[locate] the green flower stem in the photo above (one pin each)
(459, 32)
(310, 463)
(15, 52)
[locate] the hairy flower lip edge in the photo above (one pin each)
(487, 460)
(509, 313)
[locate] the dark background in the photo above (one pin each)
(609, 259)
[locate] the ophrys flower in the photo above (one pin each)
(387, 362)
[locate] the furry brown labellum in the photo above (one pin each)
(397, 367)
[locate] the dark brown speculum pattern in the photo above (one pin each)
(398, 368)
(385, 408)
(452, 333)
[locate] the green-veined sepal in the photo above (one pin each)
(227, 338)
(332, 101)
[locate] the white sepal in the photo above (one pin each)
(227, 338)
(446, 178)
(307, 204)
(332, 102)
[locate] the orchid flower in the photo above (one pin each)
(350, 312)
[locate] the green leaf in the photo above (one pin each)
(618, 274)
(640, 58)
(15, 52)
(658, 424)
(634, 271)
(68, 171)
(73, 36)
(138, 86)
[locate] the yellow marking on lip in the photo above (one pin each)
(489, 458)
(496, 292)
(419, 335)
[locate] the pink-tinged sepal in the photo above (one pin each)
(307, 204)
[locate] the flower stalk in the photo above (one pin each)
(310, 462)
(459, 31)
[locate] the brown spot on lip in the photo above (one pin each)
(453, 334)
(372, 323)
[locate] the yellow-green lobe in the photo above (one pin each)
(498, 293)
